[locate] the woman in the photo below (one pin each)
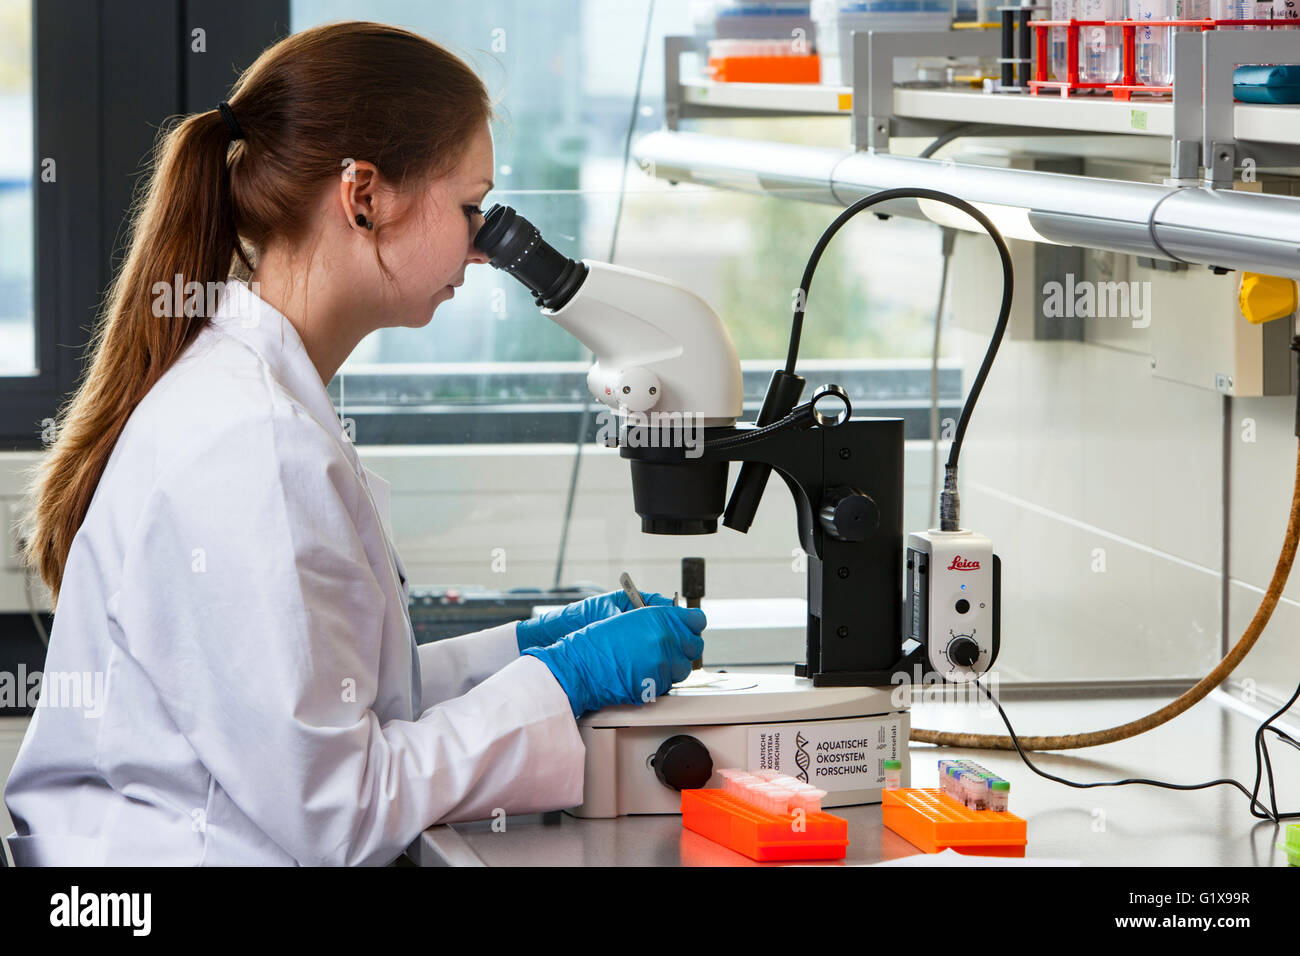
(220, 558)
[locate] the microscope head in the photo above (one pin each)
(665, 367)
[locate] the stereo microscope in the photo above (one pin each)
(666, 366)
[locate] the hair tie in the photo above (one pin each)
(232, 124)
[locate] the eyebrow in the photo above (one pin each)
(490, 185)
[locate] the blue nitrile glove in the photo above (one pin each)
(562, 621)
(608, 662)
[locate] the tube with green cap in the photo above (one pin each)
(893, 774)
(999, 795)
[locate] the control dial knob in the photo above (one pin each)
(963, 651)
(683, 763)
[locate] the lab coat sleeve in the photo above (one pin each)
(248, 599)
(450, 667)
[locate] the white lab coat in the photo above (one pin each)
(234, 595)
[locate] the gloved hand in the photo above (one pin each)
(563, 621)
(609, 661)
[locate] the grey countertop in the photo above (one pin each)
(1127, 826)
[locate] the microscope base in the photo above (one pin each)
(838, 737)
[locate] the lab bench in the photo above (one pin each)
(1112, 826)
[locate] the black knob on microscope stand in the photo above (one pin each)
(849, 515)
(683, 763)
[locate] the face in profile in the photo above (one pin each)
(430, 253)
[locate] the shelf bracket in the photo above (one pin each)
(674, 47)
(1222, 52)
(1185, 145)
(874, 53)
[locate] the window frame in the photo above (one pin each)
(382, 405)
(102, 84)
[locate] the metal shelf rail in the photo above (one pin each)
(1267, 134)
(1186, 219)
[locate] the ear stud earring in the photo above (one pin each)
(361, 221)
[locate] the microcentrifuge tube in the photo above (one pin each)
(893, 774)
(780, 800)
(999, 795)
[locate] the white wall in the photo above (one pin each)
(1263, 476)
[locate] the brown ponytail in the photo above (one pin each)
(308, 104)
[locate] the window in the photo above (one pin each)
(564, 76)
(17, 325)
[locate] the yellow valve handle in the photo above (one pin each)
(1265, 298)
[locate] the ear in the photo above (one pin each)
(357, 189)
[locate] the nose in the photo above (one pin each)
(475, 253)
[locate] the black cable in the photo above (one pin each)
(752, 435)
(1260, 747)
(968, 129)
(947, 243)
(1004, 312)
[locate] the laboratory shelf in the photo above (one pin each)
(1272, 123)
(1191, 213)
(1206, 128)
(1146, 117)
(784, 98)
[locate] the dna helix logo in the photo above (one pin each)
(801, 758)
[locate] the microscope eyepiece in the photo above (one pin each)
(514, 245)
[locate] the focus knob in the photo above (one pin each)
(964, 652)
(683, 763)
(849, 515)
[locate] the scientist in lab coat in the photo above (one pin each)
(231, 676)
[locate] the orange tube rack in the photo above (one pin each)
(761, 835)
(933, 821)
(766, 69)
